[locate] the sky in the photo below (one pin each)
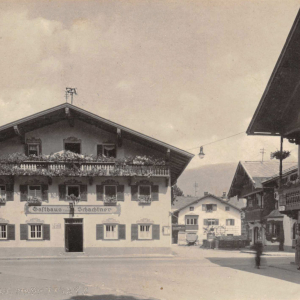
(184, 72)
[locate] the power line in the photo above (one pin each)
(217, 140)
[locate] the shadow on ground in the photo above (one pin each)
(270, 267)
(108, 297)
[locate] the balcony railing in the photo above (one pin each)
(82, 169)
(289, 198)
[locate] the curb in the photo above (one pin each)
(284, 254)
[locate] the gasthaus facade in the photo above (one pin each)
(72, 181)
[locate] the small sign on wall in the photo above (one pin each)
(166, 230)
(56, 226)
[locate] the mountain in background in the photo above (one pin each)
(214, 179)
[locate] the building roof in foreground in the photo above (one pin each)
(184, 202)
(179, 159)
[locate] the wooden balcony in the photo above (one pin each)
(54, 169)
(289, 198)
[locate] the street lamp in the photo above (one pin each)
(201, 153)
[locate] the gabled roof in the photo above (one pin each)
(179, 159)
(208, 196)
(280, 99)
(290, 170)
(182, 201)
(254, 171)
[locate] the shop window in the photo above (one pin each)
(227, 208)
(210, 222)
(191, 221)
(73, 147)
(145, 232)
(192, 208)
(111, 232)
(107, 150)
(3, 232)
(35, 232)
(230, 222)
(34, 191)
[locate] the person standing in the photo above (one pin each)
(258, 247)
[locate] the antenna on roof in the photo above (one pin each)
(70, 91)
(262, 151)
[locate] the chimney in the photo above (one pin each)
(205, 193)
(224, 195)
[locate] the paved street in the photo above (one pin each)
(193, 273)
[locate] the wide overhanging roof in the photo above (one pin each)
(282, 89)
(179, 159)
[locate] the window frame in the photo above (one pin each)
(37, 148)
(35, 232)
(107, 144)
(104, 190)
(143, 185)
(191, 220)
(149, 237)
(192, 208)
(116, 226)
(1, 232)
(210, 221)
(73, 142)
(231, 222)
(72, 185)
(28, 191)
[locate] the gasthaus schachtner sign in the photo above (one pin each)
(77, 209)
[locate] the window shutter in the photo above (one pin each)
(99, 191)
(155, 232)
(62, 189)
(204, 207)
(26, 149)
(10, 232)
(99, 150)
(120, 192)
(83, 192)
(23, 192)
(44, 192)
(155, 193)
(46, 232)
(214, 207)
(99, 232)
(217, 221)
(122, 232)
(9, 192)
(134, 193)
(23, 231)
(134, 232)
(205, 222)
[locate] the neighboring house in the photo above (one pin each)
(55, 198)
(247, 183)
(209, 213)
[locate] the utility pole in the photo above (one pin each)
(70, 91)
(262, 151)
(195, 186)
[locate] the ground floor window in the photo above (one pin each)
(111, 232)
(145, 232)
(3, 232)
(35, 232)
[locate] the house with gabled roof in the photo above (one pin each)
(209, 211)
(72, 181)
(247, 183)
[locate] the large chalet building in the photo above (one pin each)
(72, 181)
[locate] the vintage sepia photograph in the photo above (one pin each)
(149, 150)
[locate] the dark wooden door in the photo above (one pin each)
(74, 238)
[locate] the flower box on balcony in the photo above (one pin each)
(144, 200)
(34, 201)
(110, 200)
(73, 198)
(2, 201)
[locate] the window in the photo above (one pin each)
(73, 190)
(111, 232)
(73, 147)
(2, 191)
(145, 190)
(34, 191)
(33, 149)
(107, 150)
(230, 222)
(192, 208)
(209, 207)
(3, 232)
(191, 221)
(35, 232)
(145, 232)
(110, 191)
(227, 208)
(210, 222)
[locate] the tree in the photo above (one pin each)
(176, 191)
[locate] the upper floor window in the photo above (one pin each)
(230, 222)
(227, 208)
(72, 144)
(107, 150)
(209, 222)
(33, 147)
(73, 190)
(209, 207)
(192, 208)
(35, 191)
(191, 220)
